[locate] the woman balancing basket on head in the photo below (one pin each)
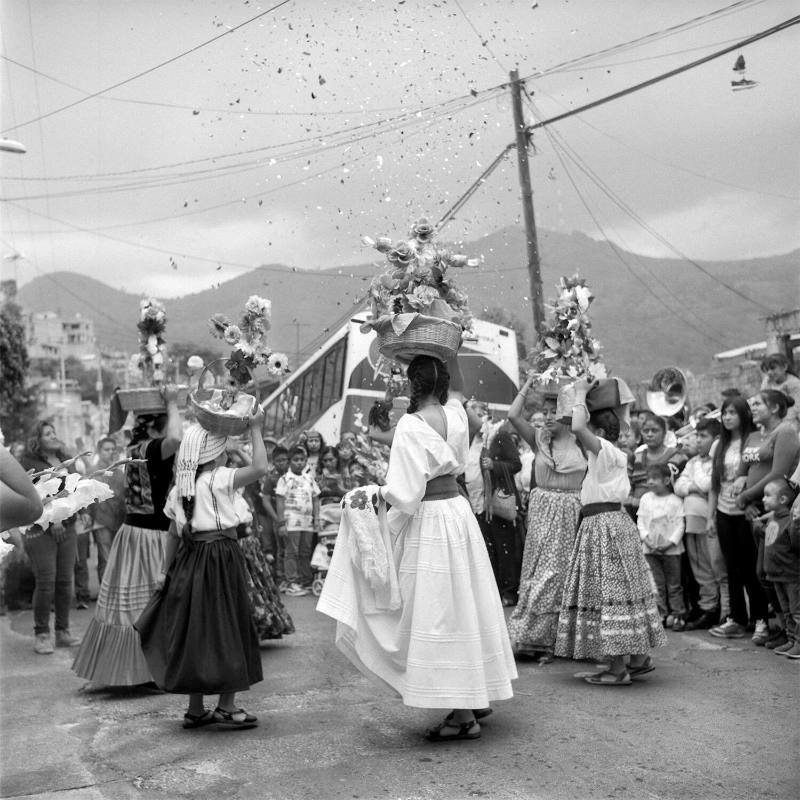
(110, 654)
(440, 640)
(198, 633)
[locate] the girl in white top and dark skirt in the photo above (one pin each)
(608, 610)
(197, 633)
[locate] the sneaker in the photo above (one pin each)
(66, 639)
(761, 634)
(777, 639)
(282, 587)
(295, 590)
(783, 649)
(669, 620)
(730, 629)
(679, 624)
(708, 619)
(794, 652)
(81, 605)
(43, 645)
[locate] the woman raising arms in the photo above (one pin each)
(553, 511)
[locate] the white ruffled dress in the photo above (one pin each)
(447, 644)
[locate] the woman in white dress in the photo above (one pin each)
(447, 644)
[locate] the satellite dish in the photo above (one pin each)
(666, 393)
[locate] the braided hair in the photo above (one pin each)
(141, 427)
(188, 504)
(427, 376)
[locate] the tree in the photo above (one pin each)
(18, 407)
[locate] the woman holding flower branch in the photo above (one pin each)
(553, 514)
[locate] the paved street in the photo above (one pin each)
(715, 720)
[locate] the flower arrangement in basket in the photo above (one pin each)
(416, 306)
(150, 362)
(227, 410)
(566, 349)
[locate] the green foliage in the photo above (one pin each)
(17, 401)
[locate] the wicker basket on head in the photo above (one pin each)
(148, 399)
(214, 422)
(425, 336)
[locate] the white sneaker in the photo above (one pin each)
(295, 590)
(43, 645)
(761, 633)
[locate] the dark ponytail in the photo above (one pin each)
(606, 420)
(427, 377)
(188, 505)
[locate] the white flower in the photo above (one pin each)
(233, 334)
(152, 345)
(278, 363)
(245, 348)
(584, 297)
(258, 306)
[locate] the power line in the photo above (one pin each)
(619, 255)
(237, 111)
(583, 167)
(451, 106)
(677, 71)
(150, 69)
(484, 41)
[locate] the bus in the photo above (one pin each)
(335, 388)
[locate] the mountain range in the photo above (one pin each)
(647, 312)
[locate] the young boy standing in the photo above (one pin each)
(297, 497)
(702, 548)
(782, 559)
(271, 542)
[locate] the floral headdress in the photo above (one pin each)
(566, 348)
(152, 345)
(249, 341)
(417, 279)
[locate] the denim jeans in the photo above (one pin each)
(666, 572)
(297, 557)
(53, 564)
(739, 549)
(82, 546)
(103, 538)
(708, 568)
(789, 596)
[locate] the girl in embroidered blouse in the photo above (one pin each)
(608, 609)
(198, 633)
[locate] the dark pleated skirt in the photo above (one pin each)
(197, 633)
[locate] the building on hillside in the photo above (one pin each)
(48, 335)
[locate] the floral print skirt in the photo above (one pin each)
(271, 618)
(608, 607)
(552, 526)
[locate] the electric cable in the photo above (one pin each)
(149, 70)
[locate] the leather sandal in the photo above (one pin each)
(645, 667)
(198, 720)
(480, 713)
(238, 718)
(462, 731)
(609, 679)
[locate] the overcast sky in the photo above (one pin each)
(288, 139)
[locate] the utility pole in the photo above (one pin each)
(534, 267)
(297, 326)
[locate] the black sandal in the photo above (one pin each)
(462, 729)
(479, 713)
(237, 718)
(198, 720)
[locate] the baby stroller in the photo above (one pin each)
(330, 516)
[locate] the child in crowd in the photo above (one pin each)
(197, 633)
(778, 376)
(653, 451)
(631, 439)
(702, 545)
(782, 559)
(661, 527)
(298, 518)
(270, 541)
(329, 478)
